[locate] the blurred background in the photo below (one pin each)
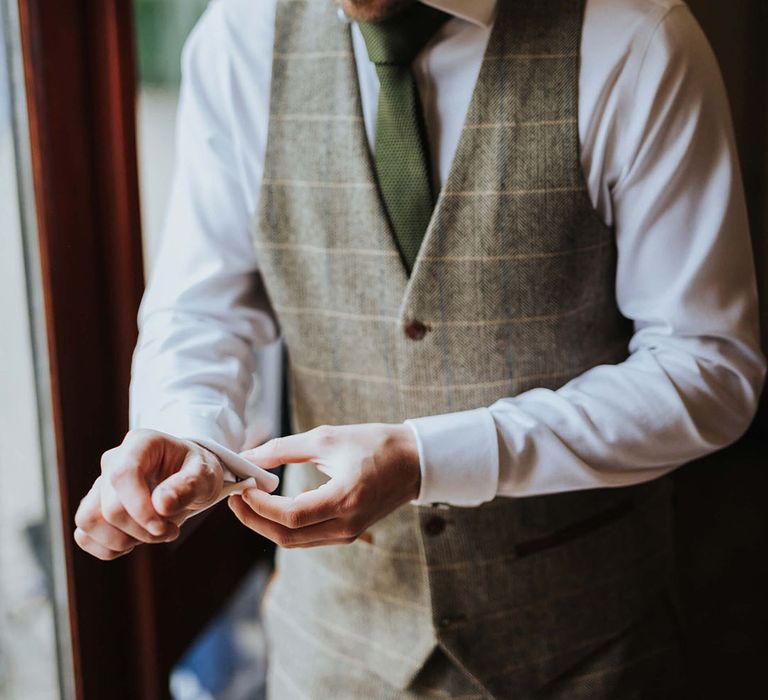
(89, 95)
(28, 663)
(161, 27)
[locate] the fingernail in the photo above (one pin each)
(156, 527)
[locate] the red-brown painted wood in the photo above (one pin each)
(131, 619)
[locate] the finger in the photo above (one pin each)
(328, 532)
(114, 513)
(95, 549)
(291, 449)
(308, 508)
(111, 537)
(248, 470)
(227, 490)
(194, 486)
(126, 477)
(90, 515)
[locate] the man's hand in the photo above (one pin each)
(374, 469)
(148, 486)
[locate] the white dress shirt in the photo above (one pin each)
(658, 154)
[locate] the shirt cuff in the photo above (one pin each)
(458, 457)
(223, 454)
(237, 468)
(208, 427)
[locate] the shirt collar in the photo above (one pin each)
(480, 12)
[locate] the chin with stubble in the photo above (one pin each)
(372, 10)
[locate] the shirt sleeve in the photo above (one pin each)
(685, 278)
(205, 309)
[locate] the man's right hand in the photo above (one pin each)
(148, 486)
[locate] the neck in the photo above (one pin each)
(372, 10)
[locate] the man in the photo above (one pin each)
(506, 248)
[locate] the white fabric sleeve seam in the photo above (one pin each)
(621, 179)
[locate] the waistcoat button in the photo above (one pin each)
(434, 526)
(415, 330)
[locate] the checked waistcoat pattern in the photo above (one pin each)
(513, 288)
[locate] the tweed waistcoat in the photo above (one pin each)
(513, 288)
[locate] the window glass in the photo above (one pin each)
(162, 27)
(30, 581)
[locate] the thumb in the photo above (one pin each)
(194, 486)
(291, 449)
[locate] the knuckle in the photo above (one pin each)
(205, 477)
(187, 483)
(107, 458)
(193, 485)
(123, 542)
(350, 531)
(140, 536)
(81, 538)
(275, 446)
(119, 471)
(113, 512)
(141, 440)
(284, 540)
(107, 555)
(325, 435)
(352, 502)
(294, 519)
(348, 540)
(205, 468)
(86, 518)
(208, 458)
(140, 436)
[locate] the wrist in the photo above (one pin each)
(406, 453)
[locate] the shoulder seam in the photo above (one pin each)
(640, 63)
(651, 37)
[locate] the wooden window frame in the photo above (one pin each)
(130, 619)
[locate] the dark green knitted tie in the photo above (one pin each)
(402, 151)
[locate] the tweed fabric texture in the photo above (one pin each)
(333, 679)
(642, 662)
(514, 286)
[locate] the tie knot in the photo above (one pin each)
(397, 40)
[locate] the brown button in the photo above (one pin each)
(434, 526)
(416, 330)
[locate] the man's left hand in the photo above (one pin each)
(373, 469)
